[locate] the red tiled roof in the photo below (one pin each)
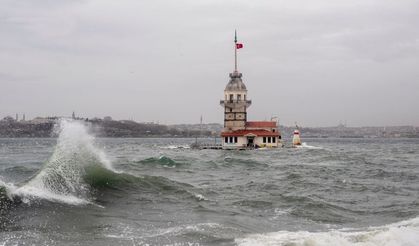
(238, 133)
(271, 124)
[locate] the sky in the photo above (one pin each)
(315, 62)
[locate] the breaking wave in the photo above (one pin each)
(62, 177)
(306, 146)
(402, 233)
(77, 170)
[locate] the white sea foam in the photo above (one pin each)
(176, 147)
(61, 177)
(9, 188)
(200, 197)
(306, 146)
(28, 193)
(405, 233)
(127, 232)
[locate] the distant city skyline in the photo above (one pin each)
(23, 117)
(317, 62)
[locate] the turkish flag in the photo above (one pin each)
(239, 45)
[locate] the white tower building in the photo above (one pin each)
(238, 133)
(235, 101)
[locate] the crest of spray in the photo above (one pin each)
(62, 176)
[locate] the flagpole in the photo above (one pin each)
(235, 50)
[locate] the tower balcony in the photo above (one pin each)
(235, 103)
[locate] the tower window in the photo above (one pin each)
(244, 97)
(273, 130)
(235, 139)
(226, 140)
(264, 139)
(273, 139)
(239, 97)
(231, 97)
(269, 139)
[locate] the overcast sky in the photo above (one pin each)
(317, 62)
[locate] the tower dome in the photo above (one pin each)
(236, 82)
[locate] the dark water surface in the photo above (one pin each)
(77, 190)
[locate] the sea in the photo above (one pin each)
(80, 190)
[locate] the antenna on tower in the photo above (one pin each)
(236, 47)
(235, 50)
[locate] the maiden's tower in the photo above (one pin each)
(238, 133)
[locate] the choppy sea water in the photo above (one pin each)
(79, 190)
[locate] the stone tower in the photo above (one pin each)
(235, 101)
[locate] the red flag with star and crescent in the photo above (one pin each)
(239, 45)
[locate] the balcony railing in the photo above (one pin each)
(237, 102)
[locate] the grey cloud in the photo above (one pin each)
(317, 62)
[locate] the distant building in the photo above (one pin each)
(107, 118)
(43, 120)
(238, 133)
(8, 119)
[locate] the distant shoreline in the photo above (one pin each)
(100, 128)
(44, 128)
(212, 137)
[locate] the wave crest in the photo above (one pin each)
(61, 178)
(402, 233)
(161, 160)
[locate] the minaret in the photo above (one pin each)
(235, 101)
